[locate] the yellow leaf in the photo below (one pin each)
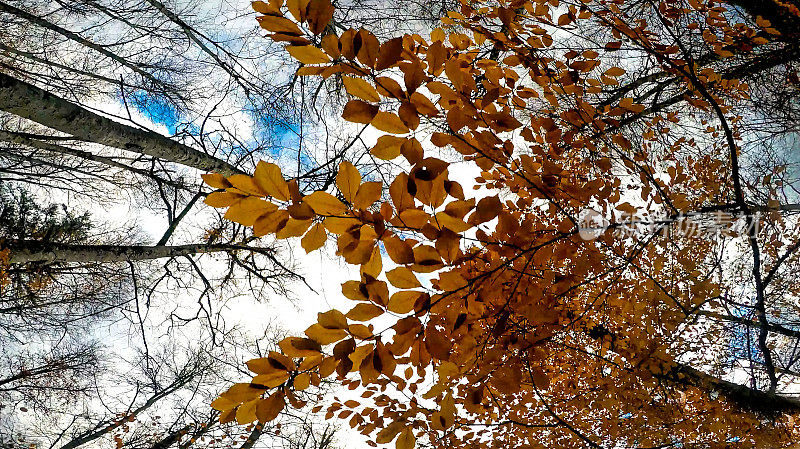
(354, 290)
(340, 225)
(293, 228)
(216, 180)
(389, 122)
(375, 264)
(348, 179)
(368, 194)
(615, 71)
(261, 365)
(268, 178)
(273, 379)
(271, 222)
(332, 319)
(241, 392)
(361, 89)
(454, 224)
(406, 439)
(246, 211)
(402, 277)
(314, 238)
(222, 404)
(282, 360)
(245, 184)
(247, 412)
(403, 301)
(358, 355)
(325, 336)
(297, 8)
(310, 362)
(364, 312)
(222, 199)
(299, 347)
(360, 331)
(387, 147)
(279, 25)
(414, 218)
(308, 54)
(324, 203)
(302, 381)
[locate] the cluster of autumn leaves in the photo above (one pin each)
(493, 326)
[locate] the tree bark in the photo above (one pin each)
(30, 102)
(770, 404)
(28, 141)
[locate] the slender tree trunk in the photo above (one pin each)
(30, 102)
(29, 141)
(28, 251)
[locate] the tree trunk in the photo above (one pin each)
(29, 141)
(30, 102)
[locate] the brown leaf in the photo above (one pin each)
(357, 111)
(389, 53)
(268, 409)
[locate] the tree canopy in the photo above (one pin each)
(487, 313)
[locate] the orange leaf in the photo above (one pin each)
(222, 199)
(403, 301)
(324, 203)
(399, 251)
(268, 178)
(216, 180)
(348, 179)
(325, 336)
(364, 312)
(402, 277)
(279, 25)
(246, 211)
(361, 89)
(332, 319)
(368, 194)
(308, 54)
(314, 238)
(614, 72)
(387, 147)
(389, 122)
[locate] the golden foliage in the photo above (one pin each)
(536, 336)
